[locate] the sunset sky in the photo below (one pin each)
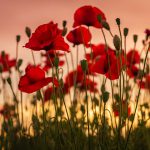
(16, 14)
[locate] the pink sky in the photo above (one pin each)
(16, 14)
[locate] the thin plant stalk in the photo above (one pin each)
(137, 100)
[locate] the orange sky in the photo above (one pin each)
(16, 14)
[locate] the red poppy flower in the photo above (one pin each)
(6, 62)
(133, 57)
(146, 83)
(48, 93)
(125, 105)
(47, 37)
(76, 75)
(80, 35)
(7, 111)
(109, 65)
(81, 83)
(87, 15)
(98, 50)
(89, 85)
(34, 79)
(132, 71)
(70, 78)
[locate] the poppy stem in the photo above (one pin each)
(137, 98)
(44, 117)
(71, 55)
(33, 57)
(68, 79)
(76, 75)
(87, 107)
(55, 101)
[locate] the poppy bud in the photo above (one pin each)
(131, 117)
(117, 42)
(117, 97)
(84, 65)
(28, 31)
(135, 38)
(105, 96)
(9, 80)
(118, 21)
(3, 54)
(126, 30)
(103, 88)
(38, 95)
(17, 38)
(96, 101)
(64, 23)
(19, 63)
(99, 18)
(1, 68)
(56, 62)
(105, 25)
(82, 108)
(64, 31)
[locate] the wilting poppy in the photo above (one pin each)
(34, 79)
(47, 37)
(80, 35)
(6, 63)
(87, 15)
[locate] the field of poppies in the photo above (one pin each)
(100, 102)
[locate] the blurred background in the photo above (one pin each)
(16, 15)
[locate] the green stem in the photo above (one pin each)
(137, 98)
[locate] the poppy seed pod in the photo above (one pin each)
(118, 21)
(28, 32)
(105, 25)
(125, 31)
(117, 42)
(18, 38)
(135, 38)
